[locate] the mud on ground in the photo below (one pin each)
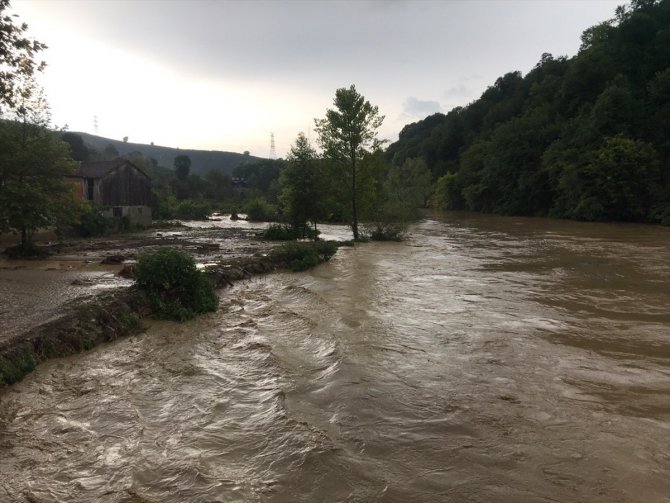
(34, 292)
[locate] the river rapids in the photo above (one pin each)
(485, 359)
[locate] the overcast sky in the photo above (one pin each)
(223, 75)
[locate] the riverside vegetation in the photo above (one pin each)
(583, 138)
(168, 286)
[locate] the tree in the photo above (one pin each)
(17, 58)
(617, 182)
(346, 134)
(110, 152)
(182, 166)
(78, 150)
(302, 193)
(401, 192)
(34, 161)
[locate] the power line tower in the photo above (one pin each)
(95, 124)
(273, 150)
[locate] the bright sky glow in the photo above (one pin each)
(222, 75)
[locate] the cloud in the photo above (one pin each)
(415, 108)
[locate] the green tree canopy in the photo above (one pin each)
(346, 134)
(182, 166)
(562, 140)
(303, 185)
(78, 149)
(17, 58)
(34, 192)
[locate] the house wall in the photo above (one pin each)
(136, 215)
(123, 186)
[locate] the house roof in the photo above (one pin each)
(98, 169)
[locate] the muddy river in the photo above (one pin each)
(485, 359)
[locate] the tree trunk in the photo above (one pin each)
(354, 222)
(24, 238)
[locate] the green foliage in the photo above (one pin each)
(259, 210)
(386, 231)
(17, 59)
(586, 137)
(400, 192)
(346, 134)
(303, 256)
(91, 222)
(448, 192)
(304, 186)
(218, 186)
(182, 166)
(280, 232)
(110, 152)
(176, 289)
(34, 192)
(16, 365)
(78, 150)
(616, 182)
(190, 209)
(259, 175)
(287, 232)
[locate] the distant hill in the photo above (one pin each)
(202, 161)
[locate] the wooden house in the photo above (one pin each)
(119, 188)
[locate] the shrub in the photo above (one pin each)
(279, 232)
(387, 232)
(303, 256)
(176, 289)
(259, 210)
(286, 232)
(191, 209)
(91, 223)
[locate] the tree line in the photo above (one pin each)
(584, 138)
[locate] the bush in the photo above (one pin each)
(259, 210)
(387, 232)
(303, 256)
(176, 289)
(191, 209)
(279, 232)
(91, 223)
(286, 232)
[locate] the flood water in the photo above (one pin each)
(485, 359)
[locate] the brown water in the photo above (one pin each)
(486, 359)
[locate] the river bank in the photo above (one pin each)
(78, 299)
(484, 359)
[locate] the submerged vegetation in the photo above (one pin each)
(303, 256)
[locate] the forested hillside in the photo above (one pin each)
(202, 161)
(586, 137)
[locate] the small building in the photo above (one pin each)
(118, 188)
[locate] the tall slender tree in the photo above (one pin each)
(302, 186)
(346, 134)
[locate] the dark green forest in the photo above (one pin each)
(584, 138)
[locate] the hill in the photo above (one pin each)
(202, 161)
(585, 137)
